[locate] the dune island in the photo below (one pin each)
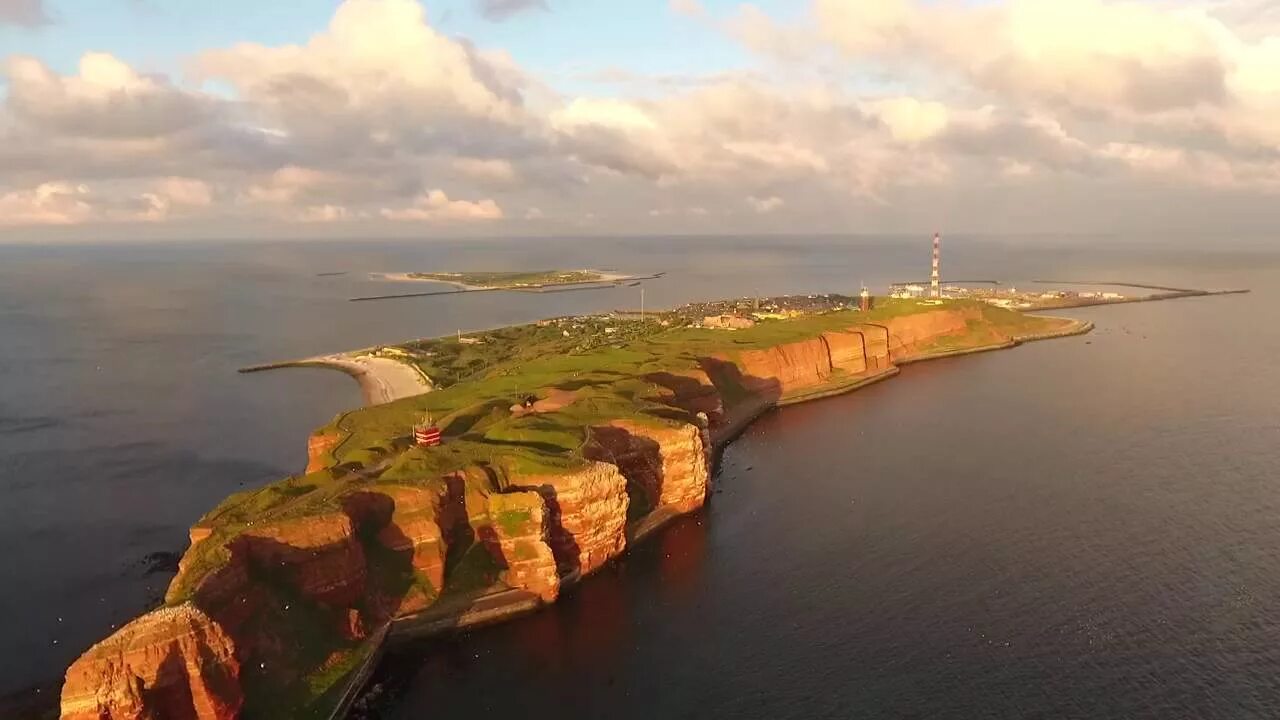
(514, 280)
(563, 443)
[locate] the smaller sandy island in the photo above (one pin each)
(520, 280)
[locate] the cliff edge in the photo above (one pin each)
(281, 585)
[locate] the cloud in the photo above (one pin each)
(324, 214)
(106, 99)
(51, 203)
(687, 8)
(293, 184)
(499, 10)
(436, 206)
(765, 205)
(1091, 54)
(65, 203)
(186, 191)
(23, 13)
(909, 119)
(379, 79)
(488, 171)
(852, 109)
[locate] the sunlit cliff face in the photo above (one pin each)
(868, 110)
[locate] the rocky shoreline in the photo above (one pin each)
(248, 590)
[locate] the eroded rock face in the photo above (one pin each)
(319, 556)
(414, 528)
(785, 368)
(170, 663)
(669, 463)
(318, 446)
(518, 537)
(908, 334)
(848, 350)
(586, 514)
(875, 343)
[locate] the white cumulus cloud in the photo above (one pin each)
(436, 206)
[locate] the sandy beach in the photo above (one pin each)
(382, 380)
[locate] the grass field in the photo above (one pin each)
(605, 370)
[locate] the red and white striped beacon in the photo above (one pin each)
(935, 281)
(425, 433)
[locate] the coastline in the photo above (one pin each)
(783, 364)
(490, 608)
(382, 380)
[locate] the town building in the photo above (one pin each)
(727, 322)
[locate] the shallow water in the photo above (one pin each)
(122, 420)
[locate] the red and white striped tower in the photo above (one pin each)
(935, 285)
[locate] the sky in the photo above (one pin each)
(124, 119)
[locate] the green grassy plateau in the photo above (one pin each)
(603, 363)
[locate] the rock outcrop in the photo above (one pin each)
(175, 662)
(785, 368)
(414, 529)
(848, 350)
(586, 514)
(773, 373)
(909, 335)
(319, 556)
(669, 464)
(518, 536)
(318, 446)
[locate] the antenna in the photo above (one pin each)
(935, 288)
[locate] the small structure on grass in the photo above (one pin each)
(426, 433)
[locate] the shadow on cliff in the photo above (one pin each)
(736, 387)
(687, 394)
(170, 694)
(638, 459)
(564, 546)
(289, 609)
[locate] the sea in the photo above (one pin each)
(1086, 527)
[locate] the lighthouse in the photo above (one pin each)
(864, 299)
(935, 284)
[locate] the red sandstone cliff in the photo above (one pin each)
(518, 536)
(909, 335)
(669, 464)
(171, 663)
(586, 514)
(318, 447)
(775, 372)
(847, 350)
(184, 662)
(783, 369)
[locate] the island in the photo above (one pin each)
(515, 280)
(539, 455)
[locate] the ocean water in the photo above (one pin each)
(1085, 527)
